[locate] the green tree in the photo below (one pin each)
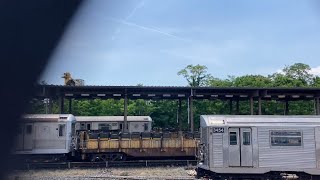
(252, 81)
(195, 75)
(296, 75)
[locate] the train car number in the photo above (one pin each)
(218, 130)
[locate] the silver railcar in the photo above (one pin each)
(113, 123)
(238, 146)
(45, 134)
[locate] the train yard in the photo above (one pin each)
(112, 164)
(75, 142)
(159, 173)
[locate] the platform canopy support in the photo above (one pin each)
(70, 106)
(179, 116)
(191, 113)
(61, 105)
(317, 105)
(230, 106)
(259, 106)
(125, 115)
(251, 105)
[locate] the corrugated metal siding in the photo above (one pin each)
(303, 157)
(204, 140)
(217, 150)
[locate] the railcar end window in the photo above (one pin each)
(286, 138)
(62, 129)
(146, 126)
(29, 129)
(233, 138)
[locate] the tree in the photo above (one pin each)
(216, 82)
(296, 75)
(195, 75)
(252, 81)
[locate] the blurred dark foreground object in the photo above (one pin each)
(30, 30)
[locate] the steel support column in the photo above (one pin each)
(50, 106)
(70, 106)
(191, 113)
(125, 115)
(237, 107)
(251, 105)
(230, 106)
(286, 107)
(61, 105)
(179, 115)
(317, 105)
(259, 106)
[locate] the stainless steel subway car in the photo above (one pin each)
(50, 135)
(259, 146)
(114, 123)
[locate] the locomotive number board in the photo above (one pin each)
(218, 130)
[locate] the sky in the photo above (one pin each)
(147, 42)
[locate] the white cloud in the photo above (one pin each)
(315, 71)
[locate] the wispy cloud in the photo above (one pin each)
(147, 28)
(139, 5)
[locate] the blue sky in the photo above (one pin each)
(116, 42)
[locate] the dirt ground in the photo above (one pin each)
(107, 173)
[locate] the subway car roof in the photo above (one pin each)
(259, 120)
(113, 118)
(47, 117)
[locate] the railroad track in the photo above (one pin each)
(140, 163)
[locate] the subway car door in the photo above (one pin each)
(246, 146)
(240, 147)
(28, 136)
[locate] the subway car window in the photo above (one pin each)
(233, 138)
(286, 138)
(246, 138)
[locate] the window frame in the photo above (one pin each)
(146, 126)
(29, 129)
(104, 126)
(243, 138)
(236, 135)
(285, 146)
(62, 133)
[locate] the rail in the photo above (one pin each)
(140, 163)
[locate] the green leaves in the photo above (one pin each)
(195, 75)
